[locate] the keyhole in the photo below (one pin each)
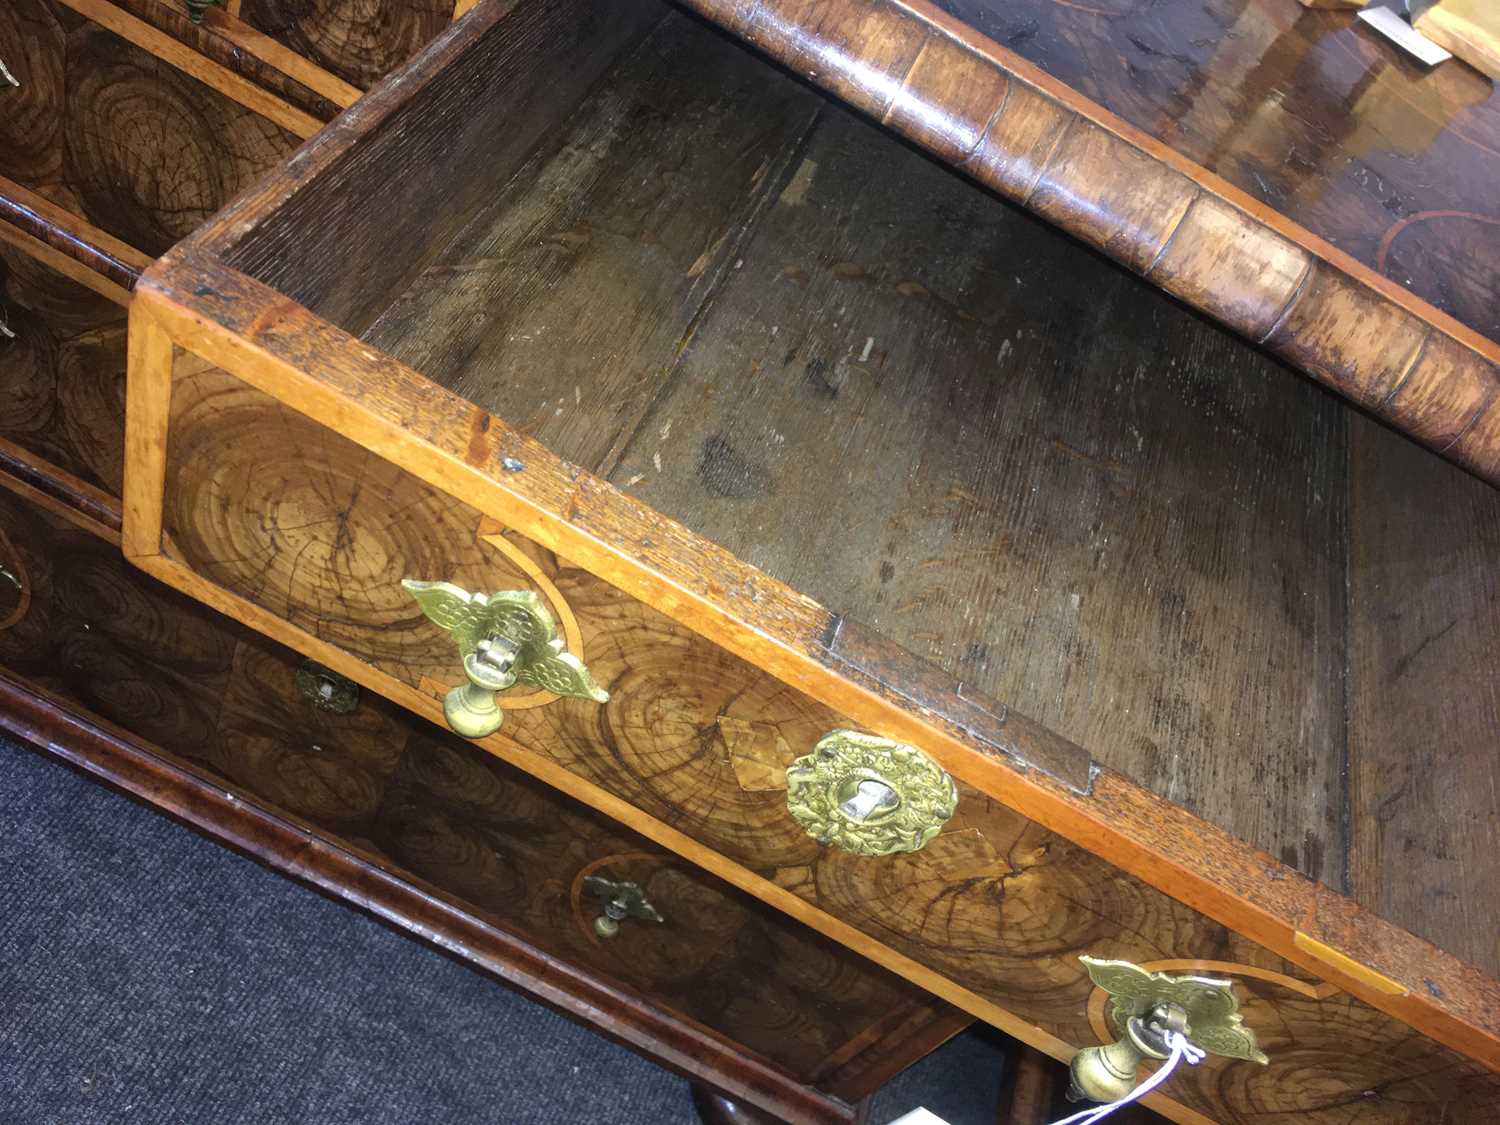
(866, 798)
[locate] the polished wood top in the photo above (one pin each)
(1309, 112)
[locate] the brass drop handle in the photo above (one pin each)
(7, 76)
(869, 795)
(9, 575)
(1147, 1006)
(503, 639)
(621, 900)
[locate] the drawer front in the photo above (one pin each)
(63, 353)
(113, 133)
(513, 846)
(79, 622)
(308, 536)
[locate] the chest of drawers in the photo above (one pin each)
(791, 431)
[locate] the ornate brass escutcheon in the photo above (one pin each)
(1146, 1006)
(325, 689)
(503, 639)
(621, 900)
(869, 795)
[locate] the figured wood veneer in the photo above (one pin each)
(360, 41)
(107, 131)
(64, 367)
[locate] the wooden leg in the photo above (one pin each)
(715, 1108)
(1033, 1089)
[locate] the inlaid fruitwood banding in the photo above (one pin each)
(997, 117)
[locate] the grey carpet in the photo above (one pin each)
(149, 975)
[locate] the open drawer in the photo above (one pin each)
(592, 304)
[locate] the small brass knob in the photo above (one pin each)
(621, 900)
(869, 795)
(197, 9)
(1147, 1006)
(503, 639)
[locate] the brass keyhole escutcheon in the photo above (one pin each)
(866, 799)
(869, 795)
(503, 639)
(325, 689)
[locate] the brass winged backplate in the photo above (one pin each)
(621, 900)
(503, 639)
(1144, 1006)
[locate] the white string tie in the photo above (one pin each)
(1182, 1051)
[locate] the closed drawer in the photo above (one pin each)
(444, 817)
(63, 352)
(109, 131)
(790, 343)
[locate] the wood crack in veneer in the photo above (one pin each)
(1002, 120)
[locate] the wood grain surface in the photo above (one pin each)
(1016, 488)
(1136, 185)
(110, 132)
(64, 366)
(596, 261)
(1424, 693)
(385, 406)
(106, 636)
(360, 41)
(1309, 113)
(499, 100)
(745, 321)
(442, 813)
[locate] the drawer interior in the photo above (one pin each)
(815, 346)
